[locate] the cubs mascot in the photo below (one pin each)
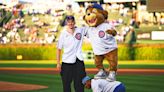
(101, 35)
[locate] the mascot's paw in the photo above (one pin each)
(111, 32)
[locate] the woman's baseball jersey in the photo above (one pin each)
(102, 85)
(72, 45)
(101, 41)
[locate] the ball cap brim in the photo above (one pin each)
(85, 79)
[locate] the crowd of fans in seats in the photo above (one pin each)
(17, 31)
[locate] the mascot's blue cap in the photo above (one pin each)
(97, 6)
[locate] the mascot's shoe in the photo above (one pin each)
(102, 74)
(112, 76)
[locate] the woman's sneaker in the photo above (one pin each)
(102, 74)
(112, 76)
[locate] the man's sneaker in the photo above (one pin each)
(112, 76)
(102, 74)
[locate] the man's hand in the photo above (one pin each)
(58, 66)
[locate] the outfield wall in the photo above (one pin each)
(48, 52)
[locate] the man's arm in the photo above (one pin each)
(59, 49)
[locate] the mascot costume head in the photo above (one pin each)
(96, 15)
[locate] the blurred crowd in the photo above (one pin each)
(18, 31)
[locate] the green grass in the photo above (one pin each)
(121, 66)
(88, 64)
(132, 66)
(151, 41)
(52, 81)
(133, 83)
(142, 83)
(28, 65)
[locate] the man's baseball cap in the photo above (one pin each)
(70, 17)
(85, 79)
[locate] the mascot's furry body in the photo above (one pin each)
(101, 35)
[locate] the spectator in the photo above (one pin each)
(14, 36)
(131, 36)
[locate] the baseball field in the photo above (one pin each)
(42, 76)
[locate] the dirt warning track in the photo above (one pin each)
(88, 70)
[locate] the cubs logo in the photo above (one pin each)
(101, 34)
(78, 36)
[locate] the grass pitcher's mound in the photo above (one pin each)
(11, 86)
